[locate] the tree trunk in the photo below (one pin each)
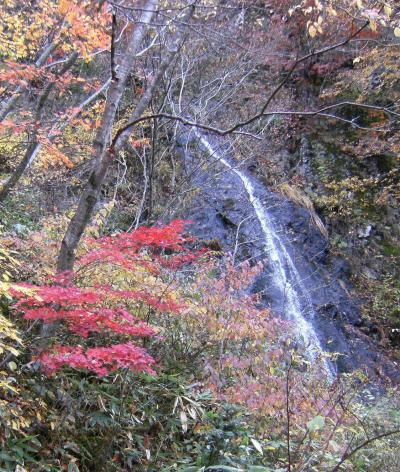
(151, 171)
(104, 159)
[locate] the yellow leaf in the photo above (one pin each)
(397, 32)
(64, 6)
(312, 31)
(332, 11)
(388, 10)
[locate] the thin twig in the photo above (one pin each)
(347, 455)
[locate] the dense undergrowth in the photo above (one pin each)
(231, 390)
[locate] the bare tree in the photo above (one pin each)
(104, 156)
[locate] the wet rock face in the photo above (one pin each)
(340, 268)
(329, 311)
(221, 211)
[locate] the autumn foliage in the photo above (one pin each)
(102, 312)
(154, 353)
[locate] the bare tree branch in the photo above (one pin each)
(347, 455)
(233, 130)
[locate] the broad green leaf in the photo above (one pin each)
(12, 366)
(224, 467)
(316, 423)
(192, 468)
(259, 468)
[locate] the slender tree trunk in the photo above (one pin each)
(104, 158)
(151, 171)
(34, 145)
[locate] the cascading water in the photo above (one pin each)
(285, 275)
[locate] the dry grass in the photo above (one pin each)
(301, 199)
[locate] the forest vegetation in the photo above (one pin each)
(143, 144)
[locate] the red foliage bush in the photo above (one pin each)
(101, 309)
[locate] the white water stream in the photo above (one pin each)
(285, 274)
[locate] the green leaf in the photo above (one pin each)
(192, 468)
(224, 467)
(12, 366)
(259, 468)
(316, 423)
(6, 457)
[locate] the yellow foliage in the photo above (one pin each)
(100, 220)
(24, 27)
(330, 10)
(21, 34)
(52, 156)
(9, 336)
(11, 147)
(13, 417)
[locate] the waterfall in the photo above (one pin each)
(285, 275)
